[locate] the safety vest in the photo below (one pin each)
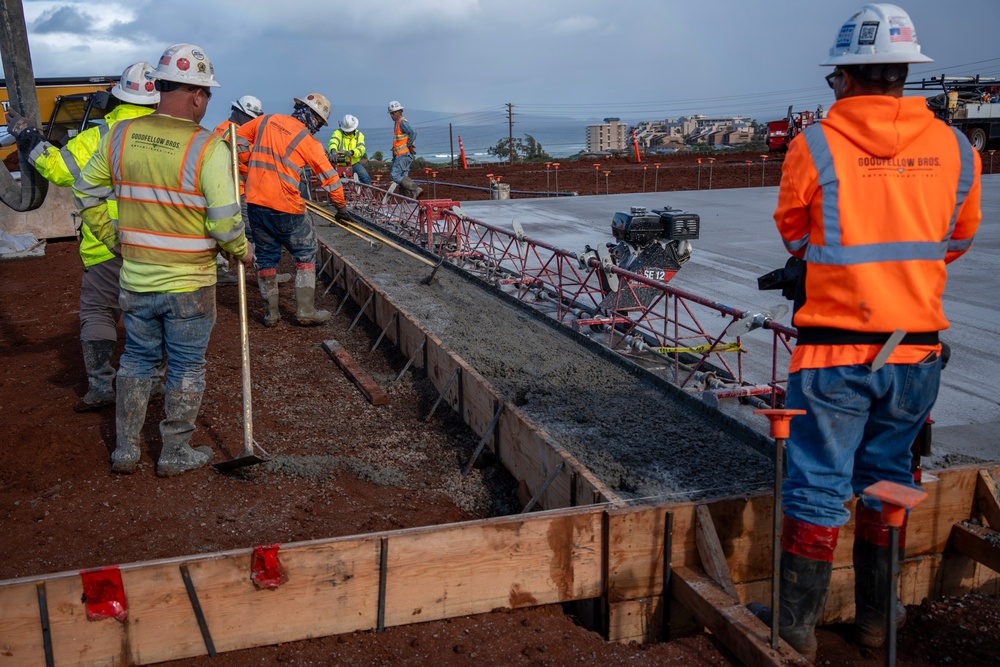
(162, 209)
(399, 139)
(280, 149)
(877, 199)
(61, 166)
(222, 131)
(353, 143)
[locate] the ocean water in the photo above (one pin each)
(559, 140)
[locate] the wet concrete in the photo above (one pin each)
(641, 439)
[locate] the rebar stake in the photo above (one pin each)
(780, 425)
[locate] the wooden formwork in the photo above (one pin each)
(608, 551)
(645, 570)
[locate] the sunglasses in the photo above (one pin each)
(835, 74)
(207, 91)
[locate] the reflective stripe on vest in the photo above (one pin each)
(833, 253)
(399, 139)
(966, 177)
(278, 160)
(163, 222)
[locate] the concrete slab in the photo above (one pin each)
(739, 242)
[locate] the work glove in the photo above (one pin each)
(413, 150)
(343, 216)
(17, 124)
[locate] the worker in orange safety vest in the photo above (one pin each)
(877, 199)
(243, 110)
(403, 150)
(280, 147)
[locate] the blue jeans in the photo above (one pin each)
(400, 167)
(273, 230)
(178, 323)
(362, 173)
(857, 431)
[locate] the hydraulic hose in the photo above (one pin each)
(23, 98)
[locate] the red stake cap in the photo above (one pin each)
(895, 499)
(780, 420)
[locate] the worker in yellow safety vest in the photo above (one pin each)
(177, 206)
(403, 150)
(132, 97)
(347, 147)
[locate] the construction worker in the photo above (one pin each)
(244, 109)
(876, 199)
(176, 207)
(132, 97)
(347, 147)
(403, 150)
(280, 148)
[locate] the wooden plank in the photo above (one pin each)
(636, 620)
(359, 376)
(499, 563)
(988, 498)
(979, 543)
(713, 561)
(731, 622)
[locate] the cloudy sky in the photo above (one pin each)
(463, 60)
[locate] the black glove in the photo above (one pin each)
(17, 124)
(413, 150)
(343, 216)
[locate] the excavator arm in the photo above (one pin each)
(22, 97)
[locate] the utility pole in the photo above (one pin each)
(451, 142)
(510, 131)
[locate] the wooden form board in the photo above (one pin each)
(530, 455)
(432, 573)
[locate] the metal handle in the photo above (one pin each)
(244, 334)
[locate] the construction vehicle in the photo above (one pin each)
(969, 103)
(70, 105)
(781, 132)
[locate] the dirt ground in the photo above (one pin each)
(381, 468)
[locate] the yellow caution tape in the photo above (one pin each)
(721, 347)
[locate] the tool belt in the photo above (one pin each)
(833, 336)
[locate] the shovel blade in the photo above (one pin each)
(247, 458)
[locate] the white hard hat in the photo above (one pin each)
(349, 123)
(249, 105)
(186, 63)
(317, 103)
(878, 34)
(136, 85)
(395, 106)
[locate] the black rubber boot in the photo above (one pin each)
(871, 574)
(269, 293)
(176, 429)
(130, 415)
(100, 394)
(412, 188)
(804, 585)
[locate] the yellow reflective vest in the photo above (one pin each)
(62, 166)
(353, 143)
(177, 202)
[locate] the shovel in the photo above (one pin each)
(247, 457)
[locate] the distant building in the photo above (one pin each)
(697, 129)
(608, 136)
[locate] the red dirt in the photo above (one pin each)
(62, 509)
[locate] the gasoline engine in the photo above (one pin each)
(652, 244)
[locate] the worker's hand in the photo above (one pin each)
(413, 150)
(249, 257)
(17, 124)
(343, 215)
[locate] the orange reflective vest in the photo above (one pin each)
(280, 149)
(401, 138)
(222, 131)
(877, 198)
